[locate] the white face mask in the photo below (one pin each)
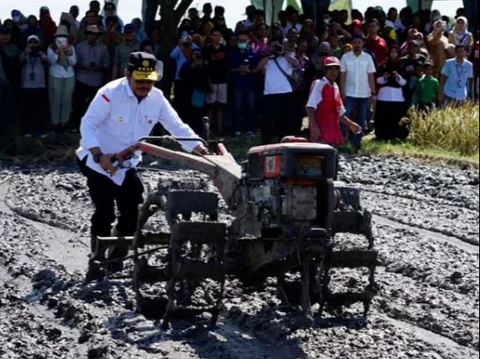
(62, 41)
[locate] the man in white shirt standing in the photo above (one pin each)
(279, 118)
(357, 83)
(123, 112)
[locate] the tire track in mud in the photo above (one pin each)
(229, 339)
(471, 247)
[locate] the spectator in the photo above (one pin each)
(325, 108)
(75, 12)
(16, 36)
(308, 33)
(292, 23)
(301, 92)
(243, 61)
(318, 59)
(196, 85)
(91, 19)
(334, 42)
(48, 26)
(460, 34)
(140, 35)
(412, 94)
(428, 89)
(413, 59)
(374, 43)
(181, 54)
(156, 40)
(207, 13)
(277, 34)
(33, 28)
(278, 93)
(393, 20)
(475, 59)
(111, 37)
(250, 21)
(123, 51)
(457, 78)
(292, 40)
(9, 55)
(220, 24)
(193, 14)
(216, 60)
(62, 58)
(437, 43)
(34, 63)
(110, 10)
(260, 43)
(93, 60)
(391, 106)
(68, 20)
(357, 83)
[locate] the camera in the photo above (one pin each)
(246, 62)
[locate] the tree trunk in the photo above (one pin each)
(171, 12)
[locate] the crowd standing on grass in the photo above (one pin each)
(247, 77)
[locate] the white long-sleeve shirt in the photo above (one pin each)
(391, 94)
(116, 121)
(58, 71)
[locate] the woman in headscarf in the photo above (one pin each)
(140, 35)
(391, 106)
(411, 35)
(460, 34)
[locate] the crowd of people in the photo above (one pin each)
(253, 76)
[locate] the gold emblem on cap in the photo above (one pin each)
(146, 63)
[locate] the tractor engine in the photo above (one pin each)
(290, 187)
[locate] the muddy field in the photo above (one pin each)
(426, 226)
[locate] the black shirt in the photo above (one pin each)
(218, 66)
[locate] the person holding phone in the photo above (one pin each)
(391, 105)
(93, 60)
(62, 58)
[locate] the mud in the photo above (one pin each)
(427, 232)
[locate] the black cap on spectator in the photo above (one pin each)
(129, 27)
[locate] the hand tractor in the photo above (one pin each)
(287, 210)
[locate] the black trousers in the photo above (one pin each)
(35, 111)
(104, 193)
(279, 117)
(82, 97)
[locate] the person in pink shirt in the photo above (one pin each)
(325, 108)
(260, 43)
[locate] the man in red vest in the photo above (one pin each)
(325, 108)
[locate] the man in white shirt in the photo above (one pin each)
(278, 101)
(123, 112)
(357, 83)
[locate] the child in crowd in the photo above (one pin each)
(428, 89)
(413, 84)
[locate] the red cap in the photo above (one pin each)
(357, 23)
(332, 61)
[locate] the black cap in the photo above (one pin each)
(143, 66)
(4, 30)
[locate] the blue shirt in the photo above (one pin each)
(180, 59)
(457, 86)
(236, 59)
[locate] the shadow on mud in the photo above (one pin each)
(268, 333)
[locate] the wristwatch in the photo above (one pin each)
(97, 157)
